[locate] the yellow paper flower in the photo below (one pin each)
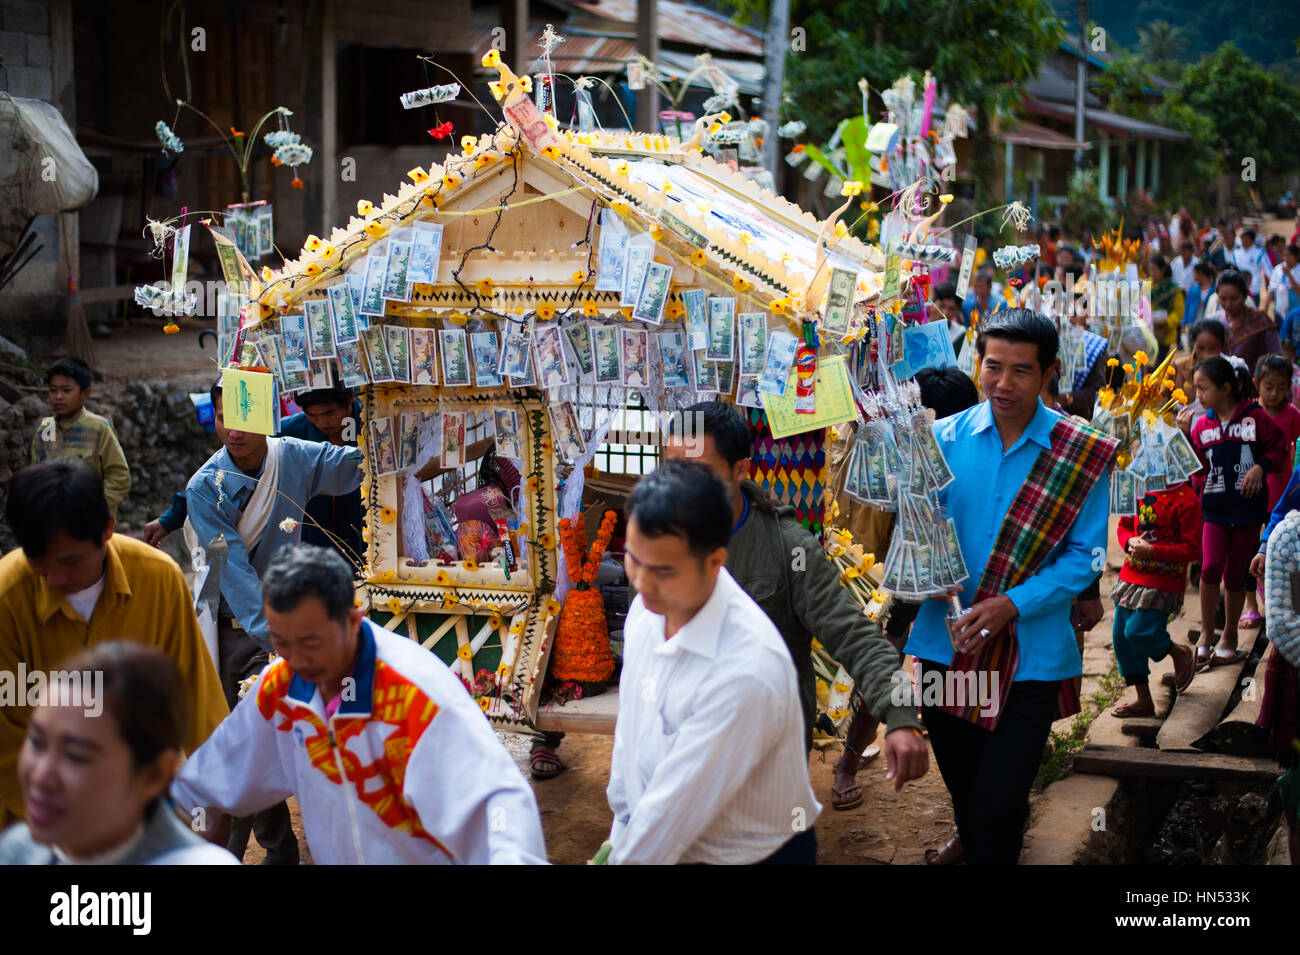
(465, 652)
(546, 311)
(484, 286)
(312, 243)
(503, 671)
(451, 180)
(458, 318)
(484, 159)
(590, 308)
(1141, 358)
(626, 311)
(467, 144)
(495, 621)
(552, 607)
(656, 233)
(547, 540)
(376, 229)
(724, 117)
(485, 703)
(470, 564)
(674, 310)
(171, 328)
(533, 484)
(1180, 396)
(844, 537)
(441, 579)
(517, 627)
(946, 198)
(746, 238)
(394, 605)
(417, 175)
(491, 59)
(364, 207)
(1128, 369)
(740, 284)
(699, 258)
(619, 206)
(387, 515)
(850, 187)
(1167, 385)
(498, 89)
(622, 168)
(580, 276)
(551, 152)
(526, 83)
(841, 230)
(1112, 362)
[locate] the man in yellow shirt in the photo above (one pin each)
(72, 584)
(78, 434)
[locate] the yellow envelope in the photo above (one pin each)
(248, 401)
(834, 401)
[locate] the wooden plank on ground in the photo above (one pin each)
(1199, 709)
(596, 714)
(1161, 764)
(1237, 734)
(1145, 726)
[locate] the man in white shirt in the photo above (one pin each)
(709, 763)
(389, 757)
(1181, 267)
(1253, 260)
(1283, 284)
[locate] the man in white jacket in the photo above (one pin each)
(388, 755)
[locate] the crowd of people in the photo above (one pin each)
(390, 759)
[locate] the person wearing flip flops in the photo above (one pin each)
(1159, 542)
(1239, 445)
(1273, 382)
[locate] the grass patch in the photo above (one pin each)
(1061, 746)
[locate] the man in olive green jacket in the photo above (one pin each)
(783, 568)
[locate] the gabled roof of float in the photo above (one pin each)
(654, 181)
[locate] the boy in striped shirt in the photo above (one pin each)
(75, 433)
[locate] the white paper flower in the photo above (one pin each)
(288, 525)
(282, 137)
(170, 141)
(294, 154)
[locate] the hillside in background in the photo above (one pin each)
(1265, 31)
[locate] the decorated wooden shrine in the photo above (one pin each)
(500, 311)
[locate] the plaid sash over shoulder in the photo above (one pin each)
(1042, 513)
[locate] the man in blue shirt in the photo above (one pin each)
(253, 492)
(330, 415)
(991, 449)
(981, 298)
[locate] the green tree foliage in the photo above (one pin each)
(1249, 112)
(982, 52)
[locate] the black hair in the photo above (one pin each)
(143, 693)
(982, 275)
(1235, 278)
(1043, 270)
(1211, 325)
(1022, 325)
(1072, 273)
(1186, 244)
(727, 426)
(1248, 232)
(685, 499)
(946, 390)
(945, 290)
(1054, 232)
(73, 368)
(1160, 262)
(214, 393)
(1294, 250)
(1273, 365)
(1205, 268)
(1067, 248)
(1226, 375)
(57, 496)
(305, 571)
(338, 397)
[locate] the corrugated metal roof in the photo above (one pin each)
(1114, 123)
(1023, 133)
(678, 23)
(1050, 83)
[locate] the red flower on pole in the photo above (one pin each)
(441, 131)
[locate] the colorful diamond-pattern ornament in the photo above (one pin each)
(792, 470)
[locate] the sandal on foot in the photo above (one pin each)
(1223, 658)
(1127, 710)
(950, 853)
(845, 799)
(543, 763)
(1249, 619)
(1203, 656)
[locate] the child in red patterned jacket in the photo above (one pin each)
(1159, 542)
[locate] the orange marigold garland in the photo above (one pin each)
(581, 651)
